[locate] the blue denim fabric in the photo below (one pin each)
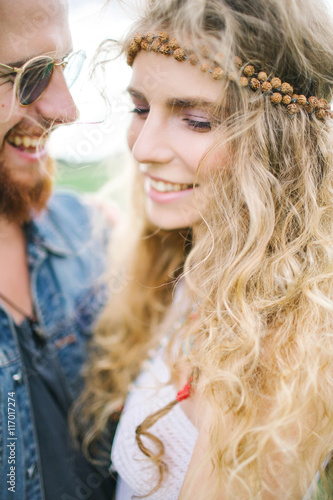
(66, 256)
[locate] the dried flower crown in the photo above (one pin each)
(279, 92)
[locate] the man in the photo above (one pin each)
(50, 265)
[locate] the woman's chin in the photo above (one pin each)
(171, 219)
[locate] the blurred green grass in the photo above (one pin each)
(89, 177)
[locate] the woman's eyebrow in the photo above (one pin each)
(193, 102)
(135, 93)
(176, 102)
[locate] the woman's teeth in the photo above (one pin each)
(27, 141)
(164, 187)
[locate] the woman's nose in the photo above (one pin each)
(149, 141)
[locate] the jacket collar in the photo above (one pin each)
(45, 232)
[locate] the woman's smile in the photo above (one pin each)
(160, 191)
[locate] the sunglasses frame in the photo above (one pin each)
(19, 72)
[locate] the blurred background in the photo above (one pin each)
(93, 151)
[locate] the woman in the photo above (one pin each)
(219, 341)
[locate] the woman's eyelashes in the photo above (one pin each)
(140, 111)
(198, 125)
(140, 107)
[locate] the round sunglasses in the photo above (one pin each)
(33, 78)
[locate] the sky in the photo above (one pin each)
(101, 129)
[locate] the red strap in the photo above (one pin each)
(185, 392)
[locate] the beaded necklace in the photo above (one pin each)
(30, 318)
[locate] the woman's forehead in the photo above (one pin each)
(156, 74)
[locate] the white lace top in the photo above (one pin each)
(137, 474)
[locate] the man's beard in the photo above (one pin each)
(19, 201)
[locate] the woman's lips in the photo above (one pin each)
(166, 192)
(165, 187)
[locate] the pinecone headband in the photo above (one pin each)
(278, 91)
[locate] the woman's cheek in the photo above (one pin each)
(133, 133)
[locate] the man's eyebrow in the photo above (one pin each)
(19, 64)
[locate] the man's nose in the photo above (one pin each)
(56, 105)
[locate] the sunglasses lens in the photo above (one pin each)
(73, 67)
(34, 80)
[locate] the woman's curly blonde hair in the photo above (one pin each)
(261, 265)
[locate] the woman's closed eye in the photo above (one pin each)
(140, 111)
(198, 120)
(198, 124)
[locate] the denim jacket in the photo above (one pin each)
(66, 258)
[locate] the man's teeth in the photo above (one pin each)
(164, 187)
(27, 141)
